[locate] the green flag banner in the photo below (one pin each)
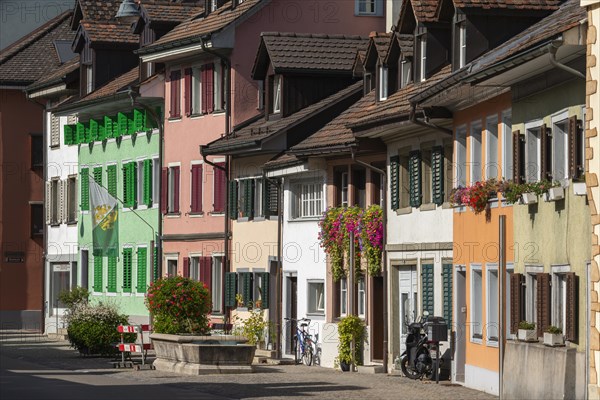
(105, 220)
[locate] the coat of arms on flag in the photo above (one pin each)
(105, 220)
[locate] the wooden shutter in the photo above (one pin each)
(122, 124)
(427, 294)
(111, 179)
(164, 190)
(572, 307)
(516, 300)
(437, 175)
(203, 96)
(155, 270)
(208, 83)
(98, 175)
(576, 156)
(233, 199)
(447, 292)
(98, 286)
(247, 287)
(186, 267)
(133, 182)
(62, 194)
(85, 188)
(270, 199)
(543, 303)
(147, 184)
(69, 134)
(518, 158)
(414, 174)
(266, 287)
(127, 269)
(248, 185)
(112, 274)
(175, 111)
(219, 188)
(206, 272)
(175, 171)
(130, 184)
(108, 127)
(187, 84)
(139, 120)
(142, 263)
(80, 132)
(545, 152)
(48, 202)
(395, 182)
(196, 206)
(230, 289)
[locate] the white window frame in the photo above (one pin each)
(314, 296)
(491, 301)
(559, 296)
(475, 160)
(171, 188)
(476, 304)
(172, 257)
(89, 74)
(258, 198)
(276, 94)
(361, 296)
(462, 44)
(156, 176)
(344, 189)
(531, 292)
(343, 296)
(383, 83)
(196, 90)
(422, 57)
(306, 195)
(560, 119)
(140, 185)
(460, 151)
(369, 7)
(530, 127)
(195, 271)
(507, 145)
(492, 165)
(217, 285)
(405, 72)
(217, 83)
(71, 209)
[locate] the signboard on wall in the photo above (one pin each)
(14, 257)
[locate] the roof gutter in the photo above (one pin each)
(552, 49)
(425, 121)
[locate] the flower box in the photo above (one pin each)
(553, 339)
(556, 193)
(527, 335)
(579, 189)
(529, 198)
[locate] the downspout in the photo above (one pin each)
(553, 49)
(425, 121)
(384, 269)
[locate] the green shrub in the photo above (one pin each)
(179, 305)
(93, 329)
(253, 328)
(555, 330)
(349, 328)
(526, 325)
(72, 298)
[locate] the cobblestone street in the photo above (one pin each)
(35, 367)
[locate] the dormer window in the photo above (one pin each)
(276, 94)
(405, 72)
(460, 40)
(367, 83)
(213, 5)
(422, 60)
(383, 83)
(89, 79)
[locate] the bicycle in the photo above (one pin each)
(303, 342)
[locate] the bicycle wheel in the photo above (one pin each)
(307, 357)
(297, 351)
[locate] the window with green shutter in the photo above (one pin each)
(98, 274)
(80, 132)
(142, 262)
(232, 201)
(265, 280)
(130, 184)
(111, 179)
(139, 120)
(230, 289)
(437, 175)
(427, 294)
(447, 292)
(112, 274)
(87, 133)
(270, 201)
(127, 269)
(246, 287)
(121, 124)
(108, 127)
(98, 175)
(147, 187)
(395, 182)
(155, 270)
(84, 184)
(247, 198)
(414, 175)
(93, 124)
(69, 134)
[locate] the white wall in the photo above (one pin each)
(392, 11)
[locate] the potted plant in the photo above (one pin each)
(555, 193)
(579, 188)
(553, 336)
(240, 300)
(350, 328)
(529, 198)
(527, 332)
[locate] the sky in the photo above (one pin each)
(19, 17)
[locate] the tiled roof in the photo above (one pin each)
(34, 56)
(262, 129)
(113, 87)
(358, 68)
(298, 51)
(406, 44)
(196, 27)
(109, 32)
(167, 11)
(57, 76)
(509, 4)
(282, 160)
(381, 41)
(425, 10)
(99, 10)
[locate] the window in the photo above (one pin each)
(475, 152)
(55, 186)
(37, 220)
(426, 177)
(140, 182)
(560, 162)
(196, 189)
(491, 147)
(367, 83)
(383, 83)
(343, 296)
(172, 266)
(261, 95)
(130, 184)
(71, 199)
(492, 313)
(196, 91)
(142, 269)
(476, 303)
(37, 151)
(422, 57)
(462, 44)
(257, 281)
(307, 199)
(258, 198)
(195, 268)
(219, 86)
(344, 189)
(365, 7)
(316, 297)
(507, 151)
(213, 5)
(276, 94)
(54, 131)
(89, 79)
(362, 298)
(173, 190)
(127, 269)
(405, 72)
(217, 273)
(219, 182)
(533, 157)
(559, 301)
(461, 156)
(175, 85)
(155, 181)
(531, 298)
(246, 198)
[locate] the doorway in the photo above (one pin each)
(460, 335)
(377, 319)
(292, 301)
(407, 295)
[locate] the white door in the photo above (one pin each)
(408, 301)
(60, 279)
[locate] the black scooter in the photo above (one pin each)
(416, 361)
